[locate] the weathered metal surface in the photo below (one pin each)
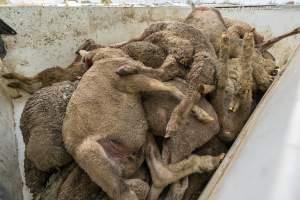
(10, 178)
(48, 36)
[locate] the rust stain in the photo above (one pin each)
(128, 15)
(146, 16)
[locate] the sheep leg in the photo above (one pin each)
(174, 172)
(181, 111)
(19, 77)
(28, 84)
(140, 83)
(262, 78)
(171, 155)
(126, 70)
(246, 61)
(154, 192)
(268, 44)
(163, 175)
(94, 159)
(223, 81)
(168, 70)
(260, 74)
(177, 190)
(28, 88)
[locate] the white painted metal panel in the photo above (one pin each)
(10, 178)
(264, 162)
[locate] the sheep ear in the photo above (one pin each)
(85, 58)
(83, 53)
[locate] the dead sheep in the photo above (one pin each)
(211, 22)
(192, 135)
(137, 50)
(41, 125)
(109, 146)
(33, 121)
(72, 183)
(203, 69)
(149, 54)
(197, 75)
(240, 28)
(186, 46)
(51, 75)
(197, 182)
(233, 99)
(78, 186)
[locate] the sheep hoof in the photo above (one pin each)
(8, 76)
(14, 85)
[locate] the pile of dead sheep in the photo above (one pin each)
(150, 118)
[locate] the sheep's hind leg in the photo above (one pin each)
(199, 113)
(268, 44)
(171, 155)
(177, 190)
(141, 83)
(167, 71)
(181, 111)
(163, 175)
(28, 88)
(22, 82)
(19, 77)
(93, 158)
